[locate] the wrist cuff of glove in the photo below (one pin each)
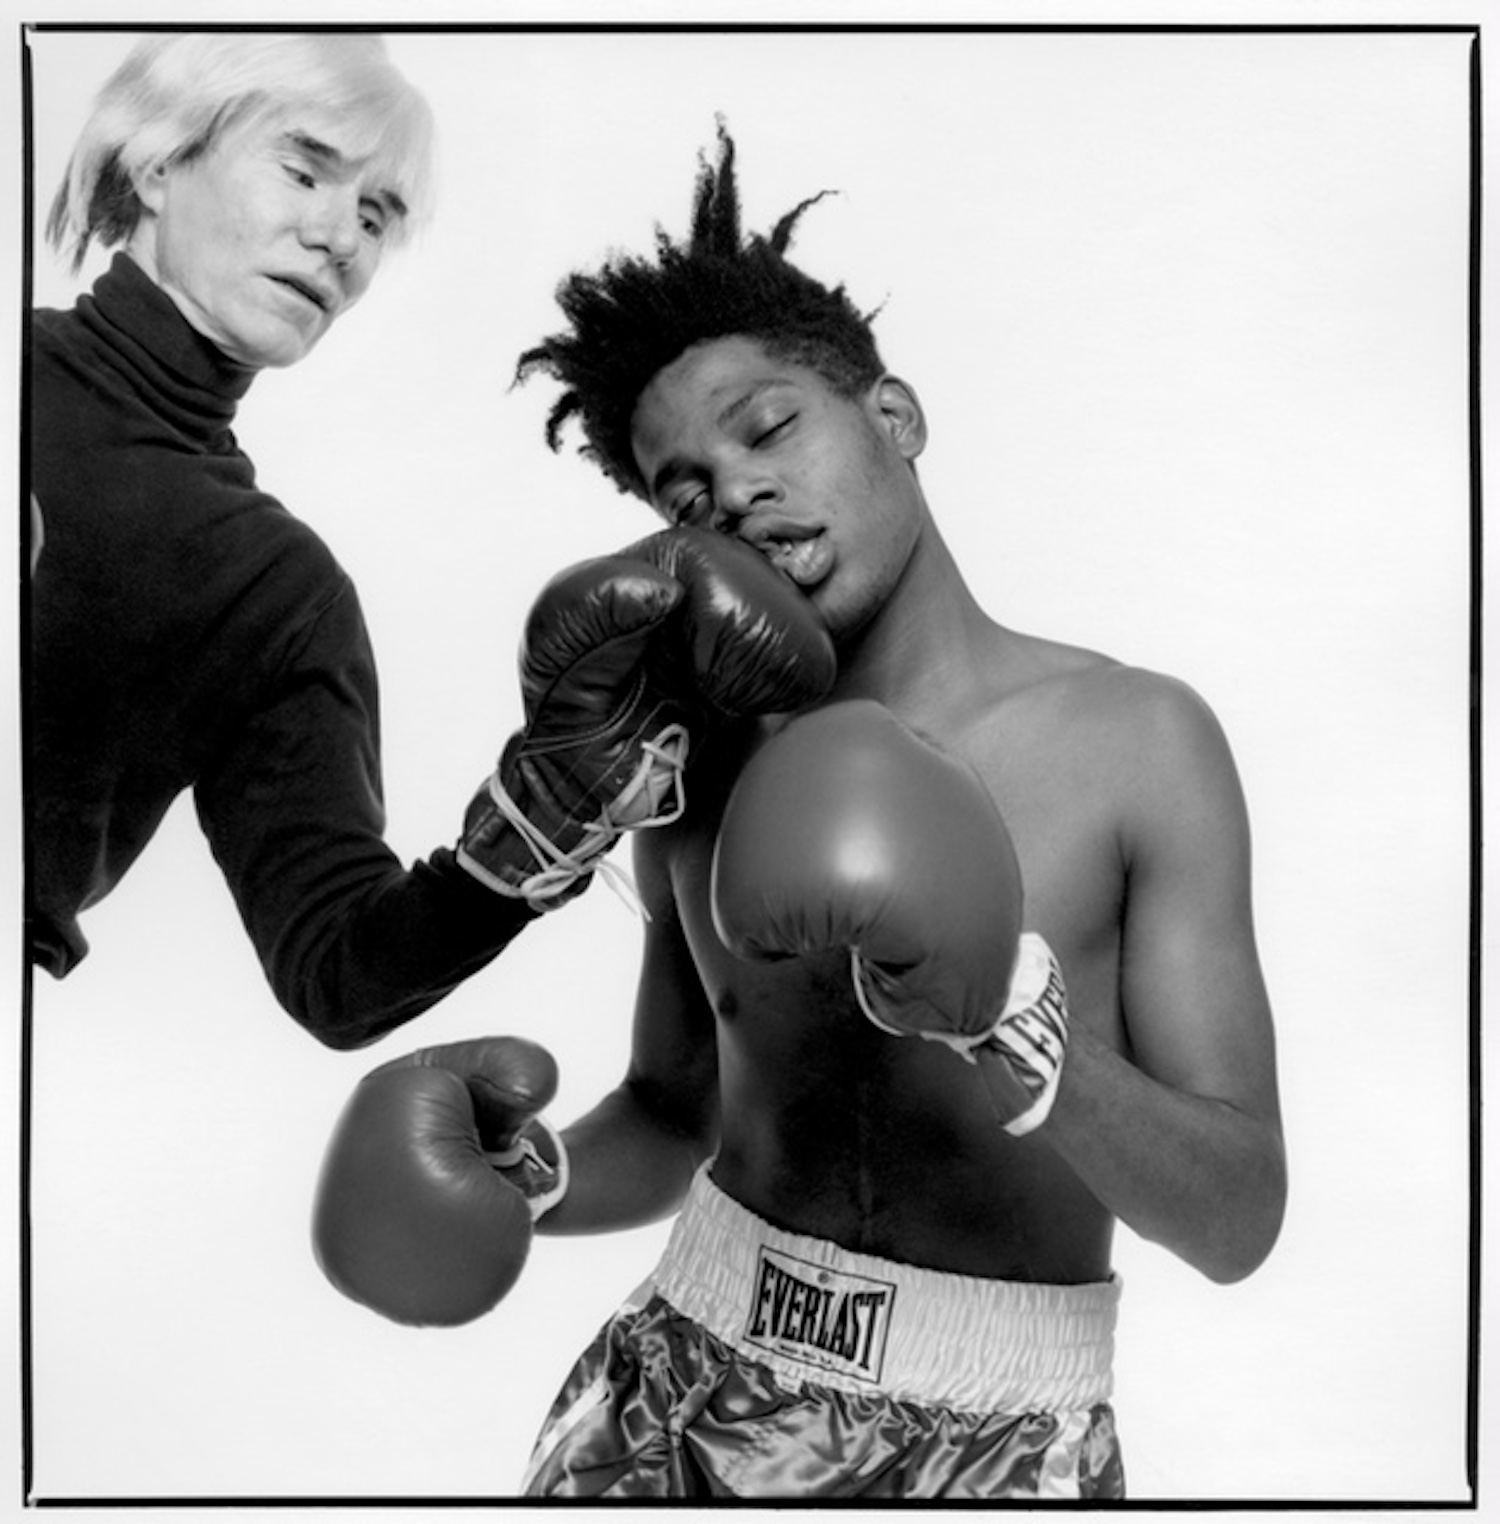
(1025, 1044)
(1029, 982)
(510, 854)
(536, 1163)
(1031, 1036)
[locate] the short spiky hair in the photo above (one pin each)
(635, 316)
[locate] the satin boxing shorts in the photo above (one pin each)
(761, 1364)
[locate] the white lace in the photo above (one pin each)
(524, 1152)
(1029, 982)
(657, 783)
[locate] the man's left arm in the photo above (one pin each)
(353, 943)
(1181, 1138)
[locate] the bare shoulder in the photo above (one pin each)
(1101, 686)
(1080, 713)
(1136, 703)
(1087, 686)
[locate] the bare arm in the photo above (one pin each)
(1181, 1139)
(633, 1155)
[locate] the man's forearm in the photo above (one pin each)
(628, 1167)
(1198, 1176)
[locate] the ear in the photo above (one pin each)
(150, 186)
(901, 414)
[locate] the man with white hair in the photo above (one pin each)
(189, 633)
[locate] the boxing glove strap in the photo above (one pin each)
(658, 780)
(1029, 1036)
(542, 1182)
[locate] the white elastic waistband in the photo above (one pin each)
(816, 1313)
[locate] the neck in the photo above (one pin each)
(921, 654)
(141, 248)
(161, 354)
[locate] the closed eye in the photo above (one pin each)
(690, 507)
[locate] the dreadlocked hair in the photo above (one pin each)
(634, 316)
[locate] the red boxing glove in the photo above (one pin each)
(848, 830)
(624, 659)
(436, 1171)
(749, 641)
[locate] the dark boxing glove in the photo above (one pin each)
(437, 1168)
(848, 830)
(624, 658)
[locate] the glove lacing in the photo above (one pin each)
(543, 1183)
(657, 781)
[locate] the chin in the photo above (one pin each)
(279, 356)
(280, 344)
(844, 624)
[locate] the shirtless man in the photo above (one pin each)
(890, 1275)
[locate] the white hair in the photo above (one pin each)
(176, 93)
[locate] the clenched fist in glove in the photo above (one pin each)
(436, 1171)
(848, 830)
(623, 659)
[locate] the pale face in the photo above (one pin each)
(265, 239)
(732, 439)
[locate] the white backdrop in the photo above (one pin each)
(1188, 315)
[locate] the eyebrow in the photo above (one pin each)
(726, 415)
(338, 163)
(315, 148)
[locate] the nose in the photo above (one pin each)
(333, 225)
(739, 493)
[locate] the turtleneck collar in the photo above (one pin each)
(143, 323)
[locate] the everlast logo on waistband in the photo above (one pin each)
(819, 1316)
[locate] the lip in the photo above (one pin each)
(313, 292)
(803, 556)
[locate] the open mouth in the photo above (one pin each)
(806, 561)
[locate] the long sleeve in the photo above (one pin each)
(189, 633)
(353, 944)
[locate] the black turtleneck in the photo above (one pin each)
(190, 633)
